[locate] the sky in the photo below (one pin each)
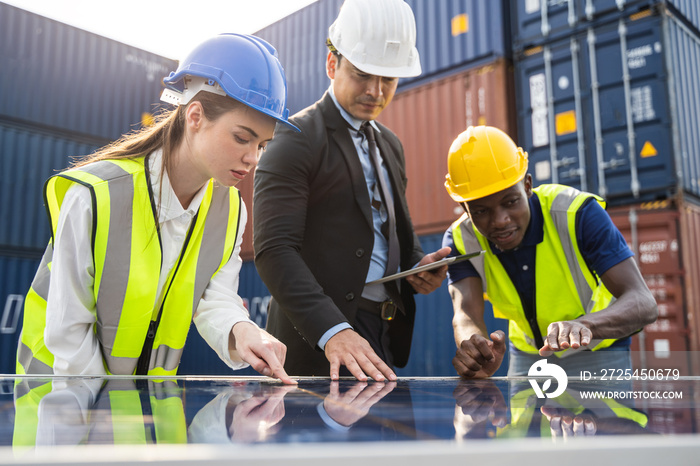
(170, 28)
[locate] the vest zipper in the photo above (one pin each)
(145, 358)
(531, 316)
(143, 364)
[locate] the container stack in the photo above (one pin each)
(65, 92)
(608, 101)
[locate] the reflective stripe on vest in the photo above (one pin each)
(523, 405)
(566, 287)
(122, 414)
(127, 254)
(28, 395)
(150, 415)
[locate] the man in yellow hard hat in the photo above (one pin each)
(554, 265)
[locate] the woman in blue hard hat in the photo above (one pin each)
(146, 232)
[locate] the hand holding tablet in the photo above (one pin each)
(426, 267)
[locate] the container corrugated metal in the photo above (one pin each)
(64, 77)
(614, 110)
(690, 255)
(28, 157)
(300, 40)
(449, 34)
(429, 117)
(663, 235)
(433, 339)
(454, 34)
(535, 22)
(17, 274)
(688, 9)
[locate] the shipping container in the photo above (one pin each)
(450, 34)
(614, 110)
(535, 22)
(66, 78)
(433, 339)
(664, 238)
(28, 157)
(17, 274)
(429, 117)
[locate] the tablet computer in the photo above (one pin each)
(423, 268)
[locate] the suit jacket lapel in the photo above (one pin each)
(338, 131)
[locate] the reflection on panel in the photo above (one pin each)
(120, 411)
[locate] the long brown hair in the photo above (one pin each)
(167, 132)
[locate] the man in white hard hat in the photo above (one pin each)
(325, 225)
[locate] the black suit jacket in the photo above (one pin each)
(313, 234)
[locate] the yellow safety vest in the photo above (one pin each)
(566, 288)
(524, 403)
(121, 415)
(128, 256)
(140, 417)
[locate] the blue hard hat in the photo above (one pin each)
(241, 66)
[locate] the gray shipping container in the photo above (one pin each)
(614, 109)
(62, 77)
(451, 35)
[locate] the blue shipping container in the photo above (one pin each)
(17, 274)
(451, 35)
(433, 339)
(28, 156)
(535, 22)
(614, 109)
(60, 76)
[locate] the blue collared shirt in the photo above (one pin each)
(380, 250)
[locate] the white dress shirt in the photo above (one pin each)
(70, 311)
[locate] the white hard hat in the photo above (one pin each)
(378, 37)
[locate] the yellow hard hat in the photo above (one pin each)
(483, 160)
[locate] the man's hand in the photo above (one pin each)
(257, 417)
(349, 407)
(429, 281)
(349, 349)
(482, 400)
(564, 335)
(478, 357)
(264, 353)
(564, 424)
